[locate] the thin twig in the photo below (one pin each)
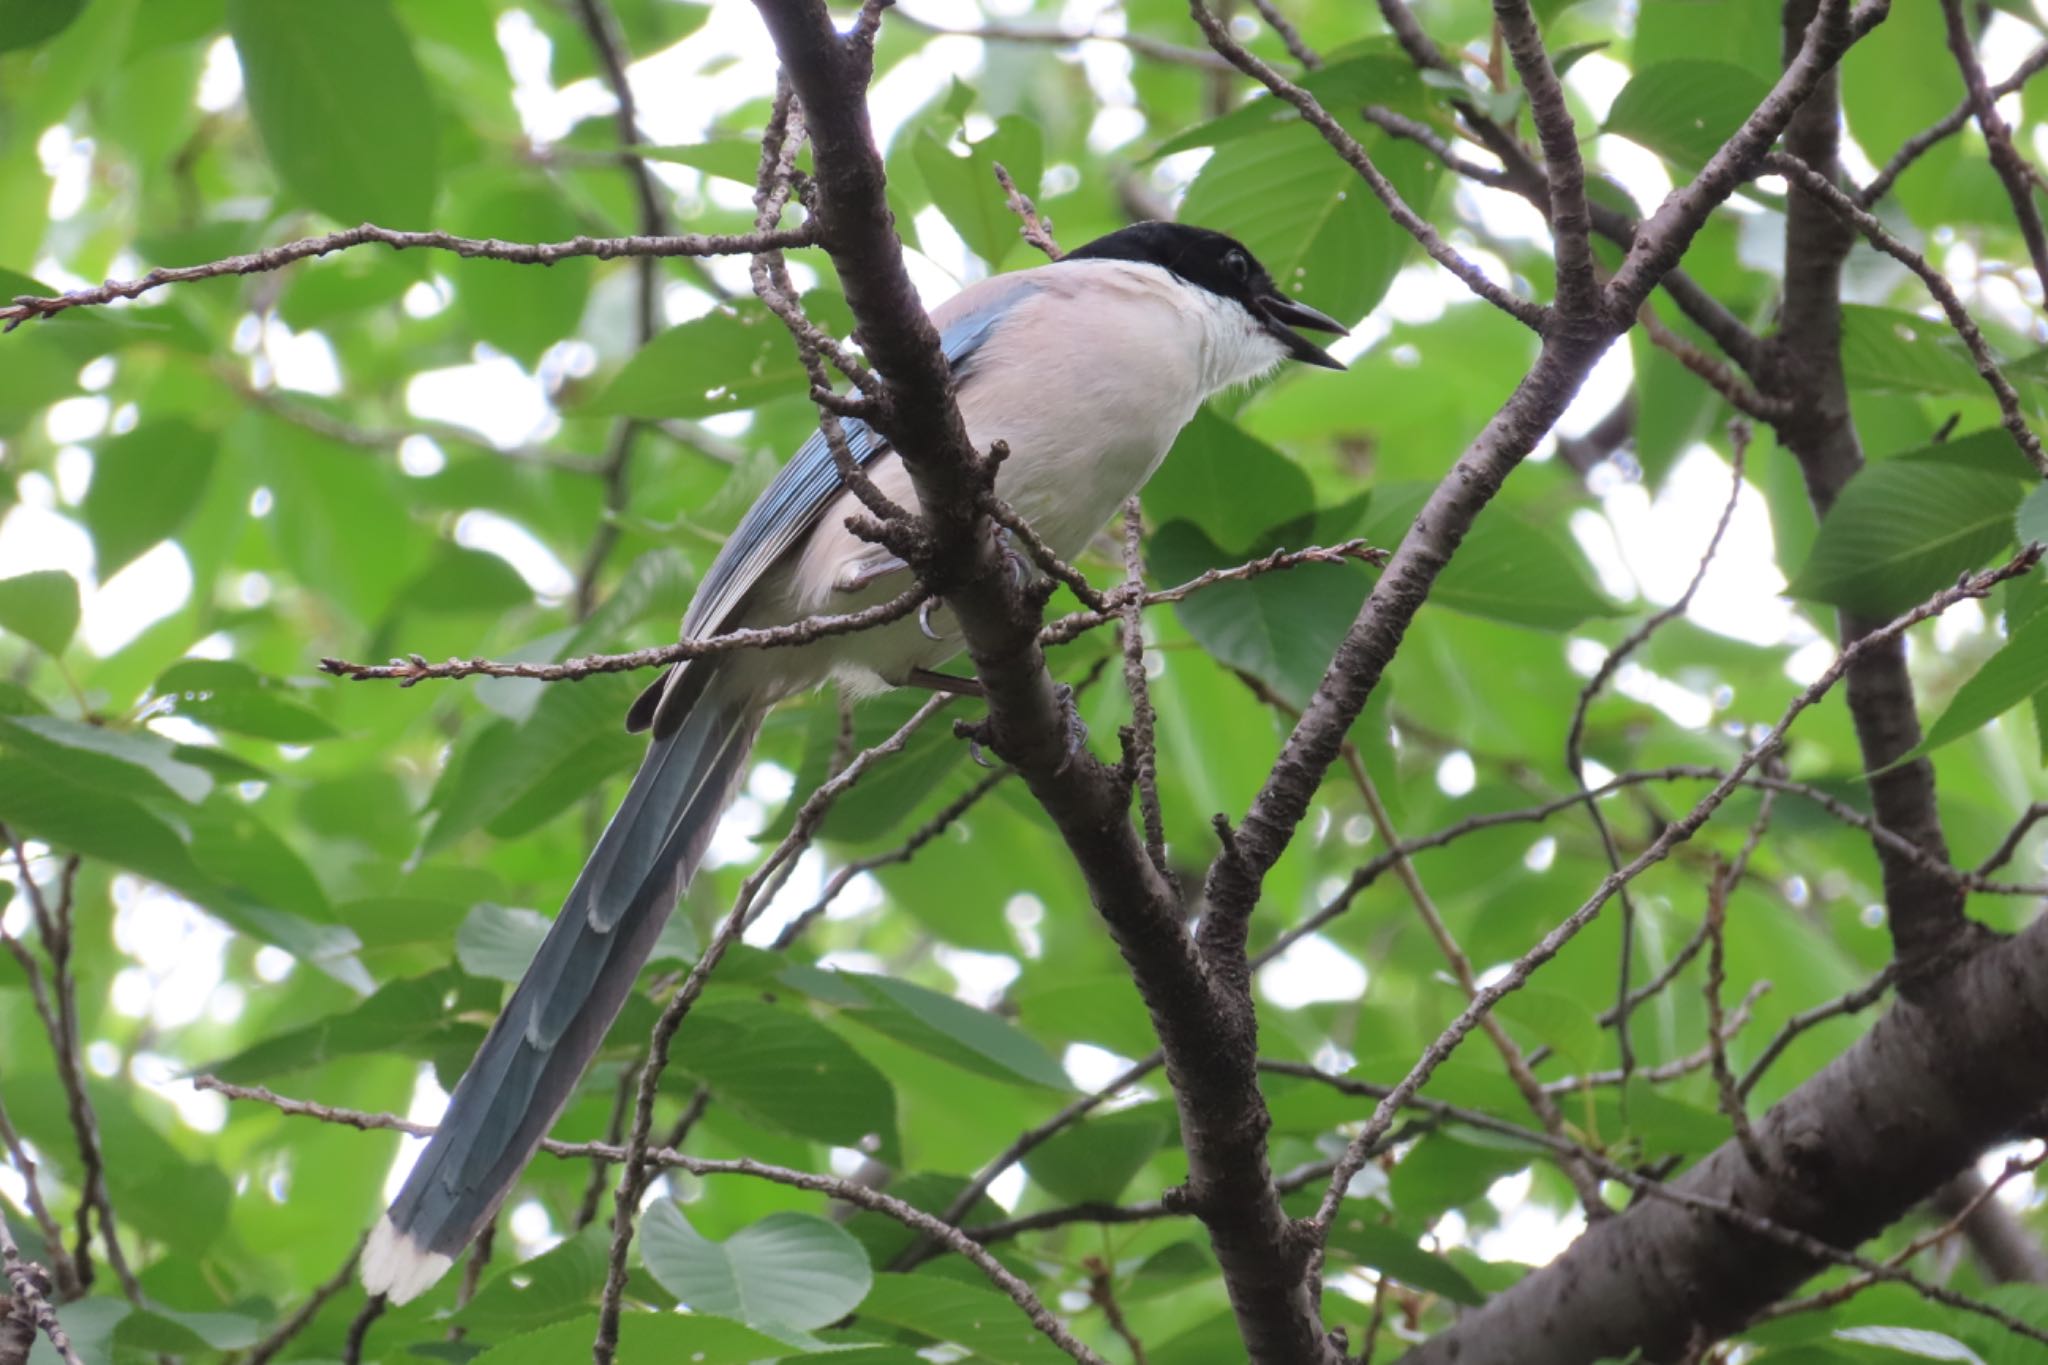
(847, 1191)
(1724, 1078)
(27, 306)
(2010, 844)
(1828, 1298)
(1033, 227)
(1154, 48)
(1073, 626)
(1530, 315)
(902, 853)
(46, 1222)
(302, 1316)
(634, 1174)
(2012, 168)
(1825, 190)
(29, 1291)
(1532, 1090)
(1575, 734)
(1102, 1289)
(1862, 998)
(1971, 587)
(1917, 146)
(410, 671)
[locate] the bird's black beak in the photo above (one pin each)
(1283, 315)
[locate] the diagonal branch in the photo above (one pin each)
(1578, 293)
(1531, 315)
(2012, 168)
(1210, 1043)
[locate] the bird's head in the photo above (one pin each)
(1223, 266)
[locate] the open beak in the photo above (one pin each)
(1283, 315)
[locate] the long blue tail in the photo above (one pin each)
(534, 1055)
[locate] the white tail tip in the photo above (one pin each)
(395, 1266)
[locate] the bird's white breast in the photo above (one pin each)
(1088, 379)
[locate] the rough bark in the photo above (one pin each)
(1935, 1082)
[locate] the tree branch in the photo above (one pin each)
(27, 306)
(1531, 315)
(2012, 168)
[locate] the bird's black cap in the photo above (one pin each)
(1224, 266)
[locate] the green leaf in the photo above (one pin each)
(343, 109)
(1565, 58)
(790, 1270)
(522, 310)
(1308, 218)
(964, 188)
(1903, 529)
(889, 792)
(947, 1310)
(498, 942)
(955, 1031)
(1507, 569)
(1282, 627)
(1232, 485)
(24, 23)
(522, 774)
(786, 1070)
(556, 1284)
(1912, 1341)
(460, 579)
(129, 761)
(411, 1018)
(49, 804)
(40, 607)
(1093, 1161)
(1387, 79)
(1990, 452)
(729, 158)
(1393, 1252)
(1565, 1022)
(164, 1329)
(1443, 1172)
(731, 358)
(226, 694)
(144, 486)
(2016, 672)
(695, 1338)
(1886, 350)
(2031, 521)
(1684, 110)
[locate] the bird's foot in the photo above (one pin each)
(868, 572)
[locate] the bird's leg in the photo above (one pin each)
(932, 681)
(864, 574)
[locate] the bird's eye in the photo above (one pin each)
(1238, 264)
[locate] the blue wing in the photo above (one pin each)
(799, 494)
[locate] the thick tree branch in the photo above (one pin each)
(1210, 1045)
(1578, 293)
(1934, 1082)
(1566, 358)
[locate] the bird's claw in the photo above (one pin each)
(924, 618)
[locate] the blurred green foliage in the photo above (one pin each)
(373, 857)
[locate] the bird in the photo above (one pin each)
(1087, 368)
